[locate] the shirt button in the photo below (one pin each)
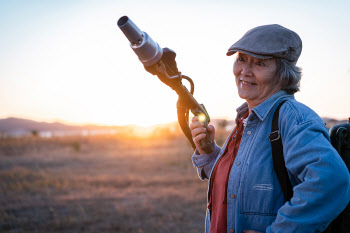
(232, 230)
(249, 132)
(238, 163)
(233, 196)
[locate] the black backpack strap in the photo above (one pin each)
(277, 156)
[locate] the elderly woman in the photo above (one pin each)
(244, 194)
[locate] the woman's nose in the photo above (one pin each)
(246, 71)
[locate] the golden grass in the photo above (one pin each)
(100, 184)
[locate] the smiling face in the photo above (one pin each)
(256, 78)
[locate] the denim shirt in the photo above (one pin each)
(320, 179)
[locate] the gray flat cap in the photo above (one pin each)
(269, 41)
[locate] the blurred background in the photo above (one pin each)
(89, 140)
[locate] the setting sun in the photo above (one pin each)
(90, 139)
(62, 62)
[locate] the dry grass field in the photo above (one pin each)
(100, 184)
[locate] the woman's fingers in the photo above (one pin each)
(199, 132)
(197, 142)
(196, 124)
(211, 130)
(198, 138)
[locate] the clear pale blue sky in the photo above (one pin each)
(68, 61)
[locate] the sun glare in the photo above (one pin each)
(201, 117)
(143, 131)
(77, 66)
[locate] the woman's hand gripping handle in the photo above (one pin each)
(202, 134)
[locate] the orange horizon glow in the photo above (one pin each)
(60, 63)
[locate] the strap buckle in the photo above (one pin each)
(274, 136)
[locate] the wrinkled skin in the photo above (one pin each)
(255, 78)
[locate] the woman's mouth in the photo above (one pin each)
(247, 83)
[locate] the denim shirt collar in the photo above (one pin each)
(263, 109)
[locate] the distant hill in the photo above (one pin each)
(15, 124)
(331, 122)
(20, 127)
(17, 127)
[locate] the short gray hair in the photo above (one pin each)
(289, 74)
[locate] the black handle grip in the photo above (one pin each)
(206, 144)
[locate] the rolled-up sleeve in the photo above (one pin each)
(205, 162)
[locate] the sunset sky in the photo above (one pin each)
(68, 61)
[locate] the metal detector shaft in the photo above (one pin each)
(187, 101)
(152, 57)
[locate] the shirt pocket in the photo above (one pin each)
(260, 192)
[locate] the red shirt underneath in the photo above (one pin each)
(219, 181)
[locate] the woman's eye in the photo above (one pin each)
(240, 59)
(260, 63)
